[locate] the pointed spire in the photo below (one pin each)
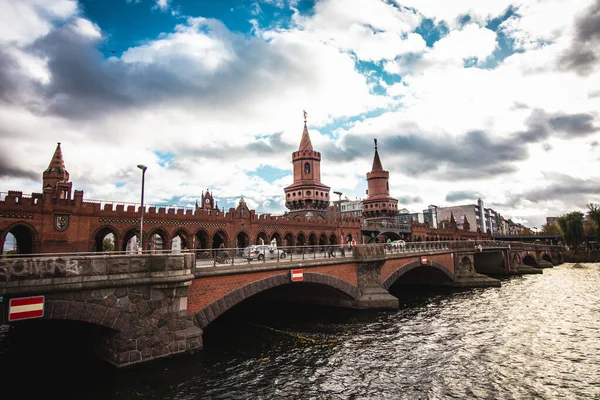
(376, 161)
(57, 163)
(452, 217)
(305, 143)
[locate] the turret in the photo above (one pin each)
(379, 203)
(307, 196)
(55, 179)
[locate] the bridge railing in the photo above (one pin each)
(269, 254)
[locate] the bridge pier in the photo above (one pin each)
(137, 302)
(155, 325)
(372, 293)
(465, 274)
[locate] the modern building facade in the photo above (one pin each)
(472, 214)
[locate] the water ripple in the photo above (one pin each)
(535, 337)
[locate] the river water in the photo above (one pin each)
(535, 337)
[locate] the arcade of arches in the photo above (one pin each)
(22, 238)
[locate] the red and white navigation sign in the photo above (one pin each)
(26, 308)
(296, 275)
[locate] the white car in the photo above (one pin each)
(260, 252)
(398, 244)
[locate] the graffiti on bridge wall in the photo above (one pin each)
(30, 268)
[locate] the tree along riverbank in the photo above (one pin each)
(582, 256)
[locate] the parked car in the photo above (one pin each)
(260, 252)
(398, 244)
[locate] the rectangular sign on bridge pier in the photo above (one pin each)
(26, 308)
(296, 275)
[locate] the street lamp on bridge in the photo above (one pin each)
(143, 168)
(340, 206)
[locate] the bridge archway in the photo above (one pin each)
(131, 238)
(157, 240)
(220, 237)
(209, 313)
(277, 238)
(530, 261)
(242, 240)
(420, 271)
(323, 240)
(546, 257)
(182, 237)
(24, 235)
(333, 239)
(312, 239)
(262, 238)
(300, 239)
(106, 239)
(289, 239)
(201, 238)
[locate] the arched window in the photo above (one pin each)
(307, 168)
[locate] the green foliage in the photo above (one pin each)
(571, 226)
(594, 214)
(551, 229)
(108, 244)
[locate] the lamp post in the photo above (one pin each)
(143, 168)
(340, 206)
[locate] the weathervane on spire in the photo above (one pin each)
(375, 143)
(305, 114)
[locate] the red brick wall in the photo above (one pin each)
(393, 265)
(87, 218)
(206, 290)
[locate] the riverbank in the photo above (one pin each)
(582, 256)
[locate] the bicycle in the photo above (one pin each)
(223, 258)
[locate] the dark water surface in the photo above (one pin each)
(536, 337)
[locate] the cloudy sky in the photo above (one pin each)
(468, 99)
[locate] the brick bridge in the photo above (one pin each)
(155, 305)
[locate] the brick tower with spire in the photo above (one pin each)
(307, 196)
(55, 178)
(379, 206)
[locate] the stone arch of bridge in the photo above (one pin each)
(547, 257)
(301, 239)
(25, 234)
(323, 240)
(184, 237)
(128, 234)
(220, 237)
(158, 243)
(289, 239)
(333, 239)
(412, 265)
(242, 239)
(89, 312)
(312, 239)
(262, 237)
(530, 260)
(209, 313)
(101, 233)
(201, 239)
(277, 236)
